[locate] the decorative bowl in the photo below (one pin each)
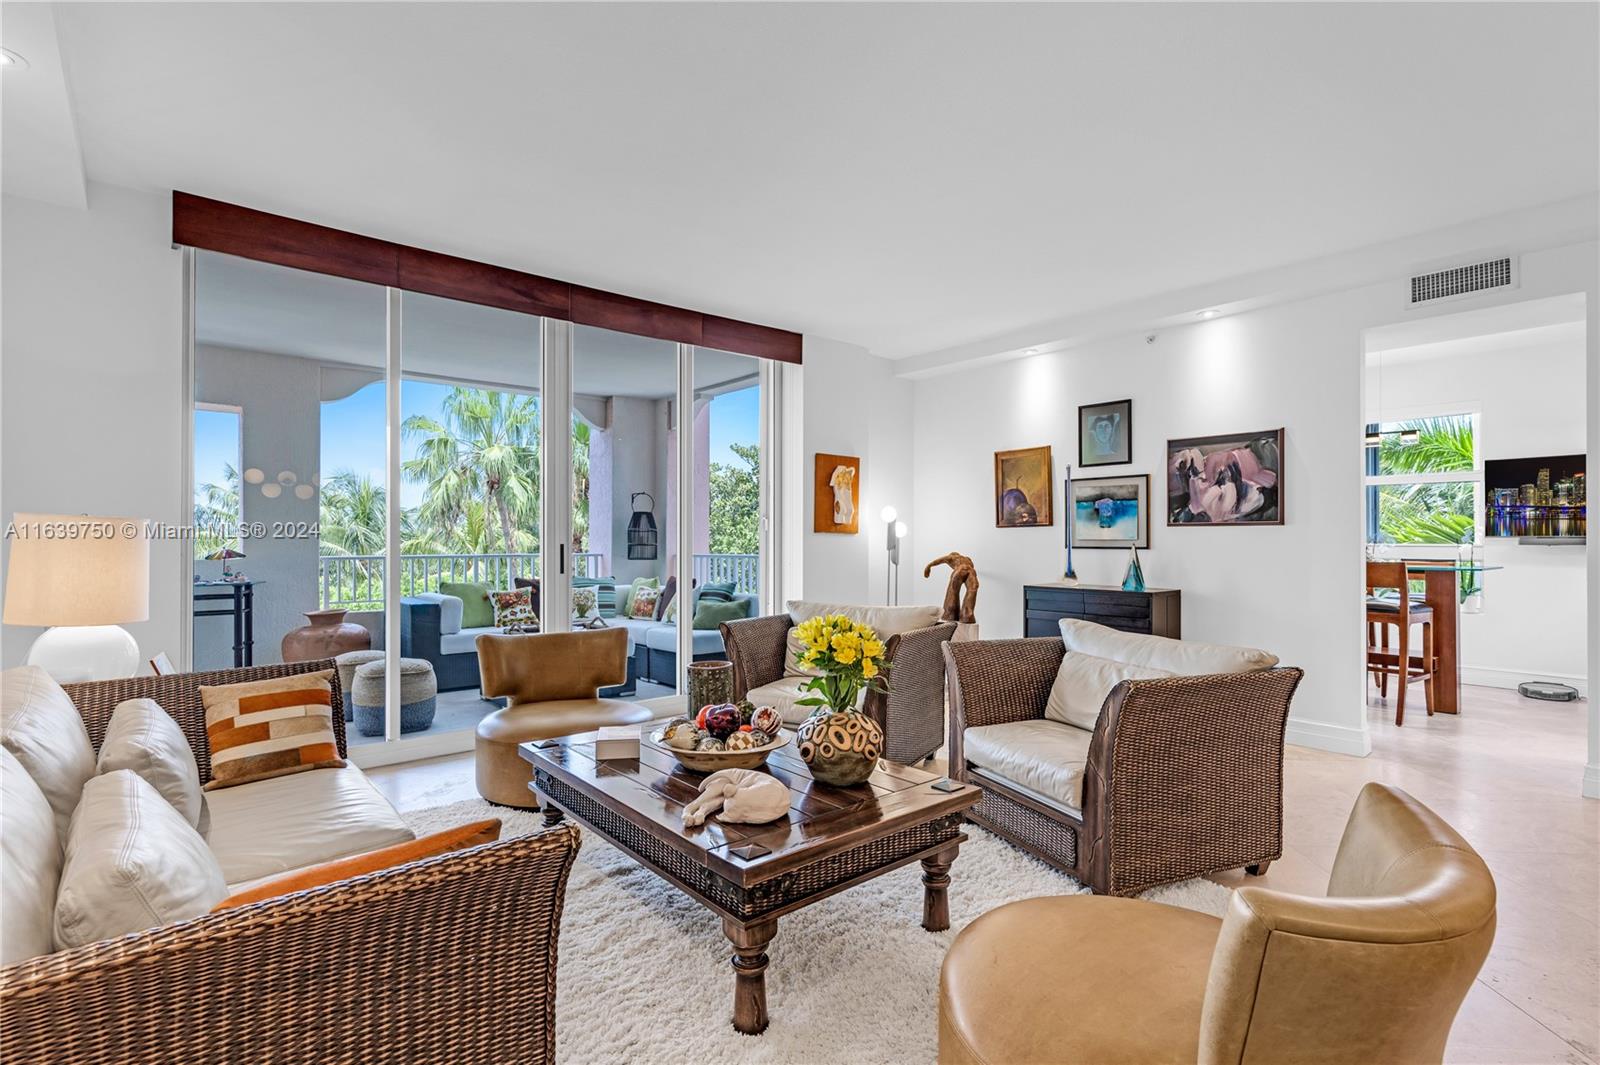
(711, 761)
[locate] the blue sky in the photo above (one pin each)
(353, 432)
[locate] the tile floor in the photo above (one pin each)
(1505, 773)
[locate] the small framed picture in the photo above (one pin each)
(1022, 488)
(1111, 511)
(1105, 433)
(836, 503)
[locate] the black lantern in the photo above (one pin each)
(642, 528)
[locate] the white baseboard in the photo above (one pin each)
(1591, 782)
(1510, 678)
(1340, 739)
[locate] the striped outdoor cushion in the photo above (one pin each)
(605, 593)
(268, 728)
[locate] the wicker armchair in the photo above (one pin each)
(1184, 778)
(446, 959)
(911, 714)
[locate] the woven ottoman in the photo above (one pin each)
(348, 663)
(419, 696)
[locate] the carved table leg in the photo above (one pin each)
(749, 972)
(552, 813)
(936, 889)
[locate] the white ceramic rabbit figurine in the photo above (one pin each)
(743, 795)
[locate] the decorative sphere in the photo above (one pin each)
(741, 741)
(711, 743)
(722, 720)
(766, 719)
(680, 734)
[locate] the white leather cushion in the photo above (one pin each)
(1182, 657)
(30, 864)
(886, 621)
(782, 694)
(144, 738)
(1082, 684)
(133, 862)
(272, 826)
(1043, 757)
(42, 727)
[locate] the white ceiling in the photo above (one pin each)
(909, 177)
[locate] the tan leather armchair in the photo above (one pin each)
(1375, 972)
(552, 680)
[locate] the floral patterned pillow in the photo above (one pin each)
(513, 611)
(644, 603)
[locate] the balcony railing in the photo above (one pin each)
(743, 570)
(355, 582)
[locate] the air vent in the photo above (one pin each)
(1462, 280)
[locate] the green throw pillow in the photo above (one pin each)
(625, 600)
(723, 591)
(710, 612)
(476, 610)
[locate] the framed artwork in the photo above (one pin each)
(1233, 479)
(1023, 488)
(836, 500)
(1111, 511)
(1105, 433)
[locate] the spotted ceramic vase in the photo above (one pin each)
(840, 748)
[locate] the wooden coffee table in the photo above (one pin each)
(750, 875)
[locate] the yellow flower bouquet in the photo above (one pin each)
(849, 655)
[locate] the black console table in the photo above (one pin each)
(242, 609)
(1154, 611)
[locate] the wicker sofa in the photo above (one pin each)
(358, 970)
(1183, 775)
(911, 714)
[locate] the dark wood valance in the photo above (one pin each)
(213, 225)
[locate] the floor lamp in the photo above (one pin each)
(891, 575)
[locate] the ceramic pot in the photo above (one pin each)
(328, 635)
(840, 748)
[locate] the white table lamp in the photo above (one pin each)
(85, 577)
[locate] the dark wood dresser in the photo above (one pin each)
(1154, 611)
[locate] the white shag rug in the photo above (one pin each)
(644, 973)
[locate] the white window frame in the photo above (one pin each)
(1474, 476)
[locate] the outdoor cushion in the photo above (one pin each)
(144, 738)
(605, 593)
(703, 641)
(464, 642)
(709, 613)
(886, 621)
(1044, 757)
(1082, 684)
(625, 594)
(476, 610)
(1183, 657)
(132, 863)
(636, 629)
(43, 729)
(32, 855)
(284, 823)
(450, 611)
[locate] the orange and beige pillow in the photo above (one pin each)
(451, 839)
(269, 728)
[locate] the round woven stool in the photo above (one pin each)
(419, 696)
(347, 664)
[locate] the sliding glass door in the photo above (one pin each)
(382, 476)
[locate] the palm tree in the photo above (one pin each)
(483, 448)
(216, 513)
(1432, 513)
(354, 515)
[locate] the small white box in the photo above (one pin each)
(617, 741)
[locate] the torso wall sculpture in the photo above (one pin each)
(957, 607)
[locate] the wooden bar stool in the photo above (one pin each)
(1402, 613)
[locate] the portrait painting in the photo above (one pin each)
(1105, 433)
(1111, 511)
(837, 496)
(1022, 488)
(1233, 479)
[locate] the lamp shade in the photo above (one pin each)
(68, 569)
(642, 534)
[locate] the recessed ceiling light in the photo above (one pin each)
(1030, 351)
(8, 58)
(1208, 315)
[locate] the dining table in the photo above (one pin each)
(1442, 582)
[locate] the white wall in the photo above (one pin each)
(1528, 388)
(91, 389)
(854, 405)
(1289, 588)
